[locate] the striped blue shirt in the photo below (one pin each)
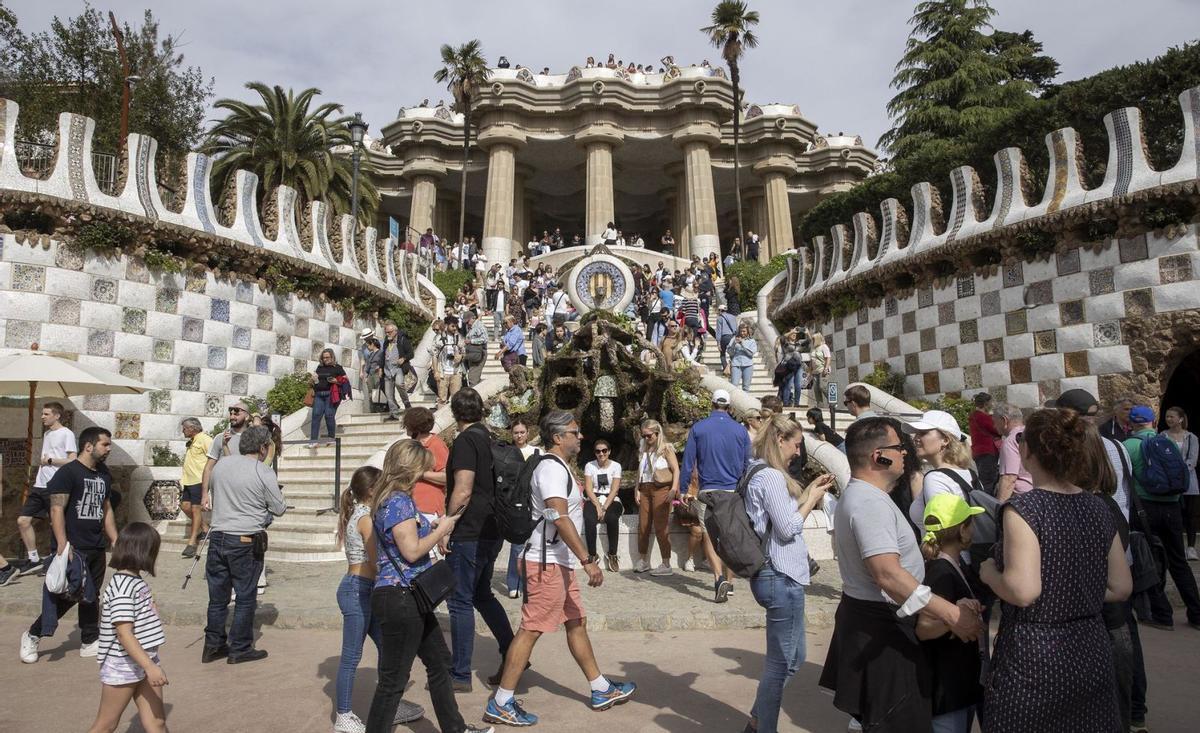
(768, 502)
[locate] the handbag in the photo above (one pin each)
(476, 353)
(308, 397)
(431, 586)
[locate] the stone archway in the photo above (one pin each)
(1158, 346)
(1183, 390)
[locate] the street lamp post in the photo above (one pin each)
(358, 128)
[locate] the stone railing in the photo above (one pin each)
(858, 260)
(388, 272)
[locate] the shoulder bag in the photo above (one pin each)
(431, 586)
(1149, 553)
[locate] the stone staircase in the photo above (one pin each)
(308, 475)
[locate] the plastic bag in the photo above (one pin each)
(56, 573)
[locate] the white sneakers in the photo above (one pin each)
(348, 723)
(688, 566)
(1191, 554)
(661, 570)
(90, 650)
(641, 566)
(29, 648)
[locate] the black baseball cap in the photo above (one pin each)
(1079, 400)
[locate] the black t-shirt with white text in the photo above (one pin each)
(87, 491)
(472, 451)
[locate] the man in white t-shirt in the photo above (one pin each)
(601, 482)
(552, 593)
(58, 449)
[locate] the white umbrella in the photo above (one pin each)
(33, 374)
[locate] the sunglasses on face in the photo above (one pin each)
(1020, 437)
(602, 451)
(649, 436)
(235, 410)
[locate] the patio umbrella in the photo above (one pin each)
(34, 374)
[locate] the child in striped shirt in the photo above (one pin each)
(130, 634)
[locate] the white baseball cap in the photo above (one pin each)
(935, 420)
(720, 397)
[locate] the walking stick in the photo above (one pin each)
(196, 559)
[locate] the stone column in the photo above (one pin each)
(520, 226)
(680, 226)
(756, 216)
(598, 140)
(424, 204)
(702, 199)
(501, 143)
(777, 229)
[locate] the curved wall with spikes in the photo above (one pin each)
(959, 305)
(198, 339)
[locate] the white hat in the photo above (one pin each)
(721, 307)
(935, 420)
(720, 397)
(366, 333)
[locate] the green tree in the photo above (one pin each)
(285, 142)
(463, 72)
(73, 67)
(954, 78)
(730, 32)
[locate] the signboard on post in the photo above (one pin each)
(832, 394)
(393, 229)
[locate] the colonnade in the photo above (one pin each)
(691, 203)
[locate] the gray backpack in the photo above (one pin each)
(733, 536)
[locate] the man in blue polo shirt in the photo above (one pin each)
(718, 449)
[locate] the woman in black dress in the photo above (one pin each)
(1060, 560)
(330, 386)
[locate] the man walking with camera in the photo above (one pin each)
(397, 362)
(243, 492)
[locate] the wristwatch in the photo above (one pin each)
(590, 560)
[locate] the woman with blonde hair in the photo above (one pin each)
(658, 486)
(778, 505)
(403, 540)
(939, 444)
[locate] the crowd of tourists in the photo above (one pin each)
(1044, 519)
(612, 62)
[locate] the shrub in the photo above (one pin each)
(885, 379)
(753, 275)
(287, 396)
(407, 320)
(451, 281)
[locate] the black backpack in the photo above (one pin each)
(512, 502)
(729, 528)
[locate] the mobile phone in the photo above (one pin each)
(461, 509)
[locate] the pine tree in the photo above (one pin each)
(954, 78)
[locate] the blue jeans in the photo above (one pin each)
(231, 566)
(473, 562)
(783, 598)
(512, 579)
(958, 721)
(354, 599)
(741, 376)
(798, 378)
(787, 389)
(323, 407)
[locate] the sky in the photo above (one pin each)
(834, 59)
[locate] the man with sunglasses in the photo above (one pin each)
(883, 592)
(226, 445)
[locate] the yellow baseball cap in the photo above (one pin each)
(945, 511)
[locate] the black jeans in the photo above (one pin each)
(1191, 517)
(989, 471)
(612, 524)
(406, 633)
(1166, 523)
(89, 613)
(1137, 707)
(231, 566)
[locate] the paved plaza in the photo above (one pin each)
(689, 680)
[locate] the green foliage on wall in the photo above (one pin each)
(162, 455)
(104, 237)
(407, 320)
(885, 379)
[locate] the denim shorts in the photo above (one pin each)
(116, 671)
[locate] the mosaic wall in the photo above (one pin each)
(198, 341)
(1025, 330)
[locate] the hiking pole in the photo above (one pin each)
(196, 559)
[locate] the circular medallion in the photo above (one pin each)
(600, 282)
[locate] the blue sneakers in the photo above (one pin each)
(512, 713)
(617, 693)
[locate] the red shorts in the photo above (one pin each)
(552, 598)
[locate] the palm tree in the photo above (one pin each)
(730, 32)
(285, 143)
(463, 72)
